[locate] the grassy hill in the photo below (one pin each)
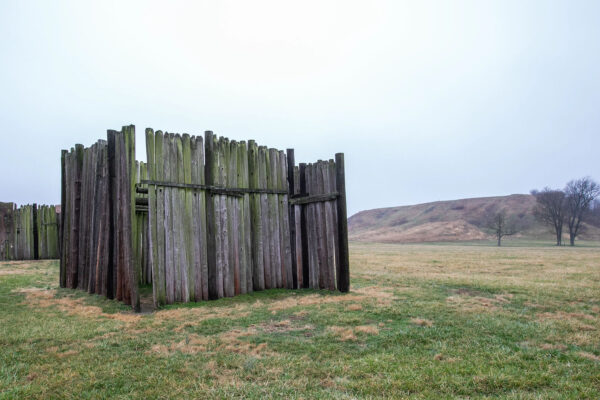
(453, 220)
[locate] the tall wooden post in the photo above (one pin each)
(111, 276)
(291, 163)
(209, 177)
(36, 239)
(63, 199)
(304, 228)
(343, 275)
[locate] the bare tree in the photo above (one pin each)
(501, 225)
(550, 209)
(580, 193)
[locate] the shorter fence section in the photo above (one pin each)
(29, 232)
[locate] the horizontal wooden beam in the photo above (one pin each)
(214, 189)
(317, 198)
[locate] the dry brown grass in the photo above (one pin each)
(551, 346)
(230, 341)
(354, 307)
(544, 269)
(367, 329)
(193, 344)
(350, 333)
(427, 232)
(477, 304)
(378, 295)
(15, 272)
(421, 322)
(589, 356)
(21, 267)
(45, 298)
(442, 357)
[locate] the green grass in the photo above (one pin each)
(421, 321)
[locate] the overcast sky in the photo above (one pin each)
(428, 100)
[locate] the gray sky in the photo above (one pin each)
(428, 100)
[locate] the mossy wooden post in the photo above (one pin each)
(313, 228)
(234, 225)
(137, 246)
(180, 228)
(152, 214)
(303, 228)
(321, 233)
(258, 272)
(36, 231)
(187, 219)
(343, 281)
(226, 219)
(334, 218)
(202, 204)
(63, 205)
(281, 216)
(198, 237)
(266, 215)
(291, 163)
(77, 163)
(105, 221)
(329, 230)
(111, 273)
(129, 214)
(219, 220)
(93, 224)
(285, 212)
(41, 232)
(158, 281)
(177, 232)
(119, 239)
(245, 221)
(169, 265)
(211, 172)
(86, 220)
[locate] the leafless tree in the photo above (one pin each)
(550, 209)
(580, 193)
(501, 225)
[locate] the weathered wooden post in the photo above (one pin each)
(290, 177)
(343, 273)
(210, 172)
(304, 228)
(36, 240)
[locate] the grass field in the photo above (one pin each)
(421, 321)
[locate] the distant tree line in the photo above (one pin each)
(569, 207)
